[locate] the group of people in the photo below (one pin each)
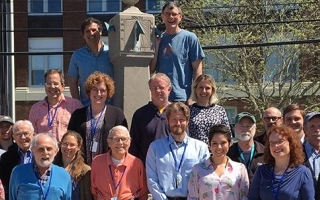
(179, 145)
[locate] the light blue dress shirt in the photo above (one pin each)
(161, 167)
(314, 160)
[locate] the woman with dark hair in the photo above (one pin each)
(283, 176)
(219, 177)
(94, 122)
(205, 112)
(70, 158)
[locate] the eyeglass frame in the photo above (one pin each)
(117, 140)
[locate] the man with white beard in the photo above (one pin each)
(41, 179)
(246, 150)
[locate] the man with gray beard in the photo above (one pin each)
(246, 150)
(41, 179)
(312, 144)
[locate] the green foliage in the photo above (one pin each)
(266, 74)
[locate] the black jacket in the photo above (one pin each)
(257, 159)
(8, 161)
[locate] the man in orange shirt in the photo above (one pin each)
(117, 174)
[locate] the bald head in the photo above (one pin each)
(271, 116)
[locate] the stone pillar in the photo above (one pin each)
(130, 49)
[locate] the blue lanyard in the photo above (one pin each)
(94, 127)
(114, 184)
(44, 196)
(274, 191)
(249, 163)
(50, 120)
(175, 158)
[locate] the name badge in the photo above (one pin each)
(95, 147)
(114, 198)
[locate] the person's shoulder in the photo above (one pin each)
(159, 142)
(80, 110)
(73, 100)
(23, 168)
(259, 146)
(100, 158)
(36, 105)
(145, 107)
(197, 142)
(60, 170)
(80, 50)
(134, 160)
(114, 108)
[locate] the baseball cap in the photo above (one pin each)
(309, 116)
(4, 118)
(245, 114)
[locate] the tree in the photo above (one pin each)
(273, 61)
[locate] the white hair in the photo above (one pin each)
(19, 123)
(118, 128)
(36, 137)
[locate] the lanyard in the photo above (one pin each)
(94, 127)
(175, 158)
(44, 196)
(248, 164)
(114, 184)
(274, 191)
(50, 120)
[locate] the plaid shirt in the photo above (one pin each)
(45, 177)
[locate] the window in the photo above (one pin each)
(39, 64)
(45, 6)
(281, 61)
(155, 6)
(102, 6)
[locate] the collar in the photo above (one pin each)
(309, 148)
(208, 163)
(63, 98)
(170, 139)
(102, 47)
(124, 162)
(21, 152)
(36, 170)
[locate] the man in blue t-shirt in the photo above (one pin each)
(92, 57)
(178, 54)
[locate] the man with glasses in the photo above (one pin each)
(271, 117)
(178, 53)
(149, 122)
(117, 174)
(246, 150)
(52, 114)
(6, 123)
(18, 153)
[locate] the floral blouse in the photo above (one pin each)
(1, 191)
(204, 183)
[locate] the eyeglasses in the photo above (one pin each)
(66, 144)
(5, 127)
(278, 143)
(273, 119)
(161, 88)
(168, 14)
(54, 85)
(20, 134)
(117, 140)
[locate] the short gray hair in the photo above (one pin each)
(36, 137)
(118, 128)
(19, 123)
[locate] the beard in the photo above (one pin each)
(44, 163)
(177, 130)
(244, 136)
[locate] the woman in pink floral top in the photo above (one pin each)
(1, 191)
(219, 178)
